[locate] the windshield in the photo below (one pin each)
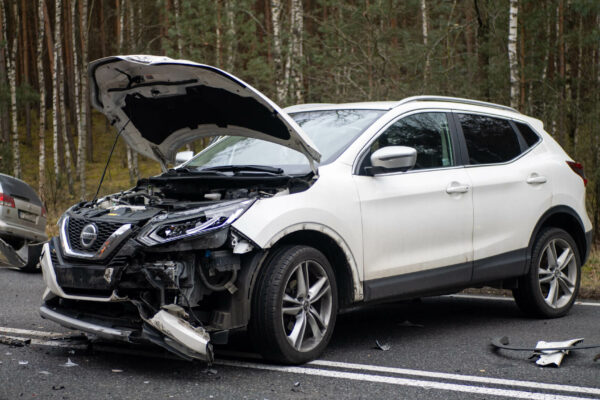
(332, 131)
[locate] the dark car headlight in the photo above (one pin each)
(187, 224)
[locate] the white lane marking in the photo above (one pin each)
(457, 377)
(484, 297)
(481, 390)
(16, 331)
(368, 377)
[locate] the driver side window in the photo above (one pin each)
(427, 132)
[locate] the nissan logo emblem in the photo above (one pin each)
(89, 233)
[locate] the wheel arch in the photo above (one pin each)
(566, 218)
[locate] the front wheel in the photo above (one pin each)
(552, 283)
(294, 305)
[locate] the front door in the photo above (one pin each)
(417, 225)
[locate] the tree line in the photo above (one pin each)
(542, 58)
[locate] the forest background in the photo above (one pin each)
(541, 57)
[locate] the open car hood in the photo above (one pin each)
(161, 104)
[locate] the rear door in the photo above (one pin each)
(511, 190)
(417, 225)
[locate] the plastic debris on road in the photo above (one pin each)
(382, 346)
(553, 357)
(69, 364)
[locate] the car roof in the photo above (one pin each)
(388, 105)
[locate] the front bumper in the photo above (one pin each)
(164, 328)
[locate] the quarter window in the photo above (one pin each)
(528, 134)
(489, 140)
(428, 133)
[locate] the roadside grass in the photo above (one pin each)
(590, 277)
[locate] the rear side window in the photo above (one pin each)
(528, 134)
(489, 140)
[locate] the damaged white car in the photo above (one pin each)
(295, 214)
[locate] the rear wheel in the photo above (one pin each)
(294, 305)
(552, 283)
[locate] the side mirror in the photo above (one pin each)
(392, 158)
(183, 156)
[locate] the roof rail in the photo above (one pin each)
(455, 100)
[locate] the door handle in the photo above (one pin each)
(456, 187)
(535, 179)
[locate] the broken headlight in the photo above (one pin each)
(185, 224)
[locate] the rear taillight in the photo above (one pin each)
(6, 200)
(578, 169)
(44, 211)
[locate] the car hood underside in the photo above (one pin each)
(160, 104)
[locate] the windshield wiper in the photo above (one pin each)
(188, 171)
(236, 169)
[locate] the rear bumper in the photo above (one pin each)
(8, 229)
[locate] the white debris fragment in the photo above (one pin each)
(554, 357)
(69, 363)
(45, 373)
(382, 346)
(117, 370)
(23, 362)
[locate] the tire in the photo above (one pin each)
(292, 323)
(550, 287)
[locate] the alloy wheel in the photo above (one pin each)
(306, 306)
(557, 273)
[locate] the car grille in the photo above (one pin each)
(105, 229)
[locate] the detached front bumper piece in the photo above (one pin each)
(88, 314)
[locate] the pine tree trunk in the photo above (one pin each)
(12, 83)
(4, 115)
(86, 120)
(177, 9)
(231, 40)
(81, 134)
(42, 113)
(424, 20)
(513, 62)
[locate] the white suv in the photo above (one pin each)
(297, 213)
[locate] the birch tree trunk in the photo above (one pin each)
(85, 146)
(297, 54)
(281, 84)
(55, 83)
(11, 63)
(425, 31)
(42, 113)
(513, 63)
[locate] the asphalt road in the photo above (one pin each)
(447, 356)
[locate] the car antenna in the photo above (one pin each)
(109, 157)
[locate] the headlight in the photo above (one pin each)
(185, 224)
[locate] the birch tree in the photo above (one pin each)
(42, 113)
(513, 63)
(425, 31)
(280, 83)
(11, 64)
(63, 114)
(297, 18)
(55, 83)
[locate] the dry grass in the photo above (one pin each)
(590, 278)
